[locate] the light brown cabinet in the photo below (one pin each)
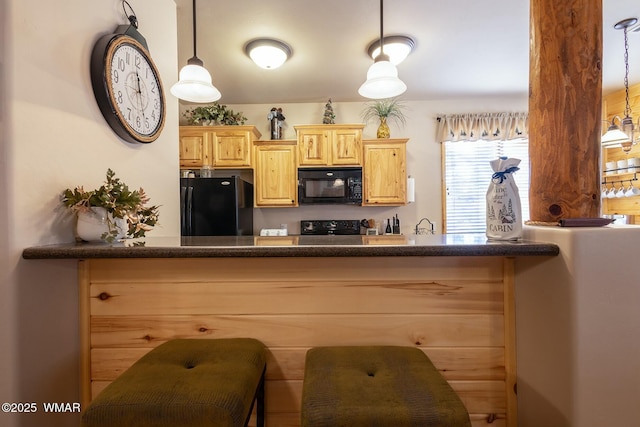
(384, 174)
(330, 145)
(194, 147)
(217, 146)
(275, 174)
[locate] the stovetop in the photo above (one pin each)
(326, 227)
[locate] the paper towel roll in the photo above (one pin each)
(411, 190)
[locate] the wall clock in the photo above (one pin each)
(127, 85)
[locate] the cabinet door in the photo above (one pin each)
(231, 149)
(194, 148)
(313, 147)
(346, 147)
(275, 178)
(384, 173)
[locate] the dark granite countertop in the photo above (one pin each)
(295, 246)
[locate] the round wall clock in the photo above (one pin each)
(127, 86)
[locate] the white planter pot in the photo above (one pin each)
(92, 225)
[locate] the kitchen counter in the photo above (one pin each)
(452, 296)
(295, 246)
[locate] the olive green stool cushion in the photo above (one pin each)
(185, 383)
(377, 386)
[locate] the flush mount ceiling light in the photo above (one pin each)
(624, 135)
(397, 47)
(268, 53)
(194, 84)
(382, 77)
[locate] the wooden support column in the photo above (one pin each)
(565, 94)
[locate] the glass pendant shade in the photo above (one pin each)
(382, 81)
(195, 84)
(382, 77)
(614, 137)
(626, 126)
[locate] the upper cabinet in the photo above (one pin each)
(217, 146)
(276, 162)
(384, 174)
(194, 147)
(330, 145)
(275, 174)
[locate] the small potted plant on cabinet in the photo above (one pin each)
(212, 115)
(388, 109)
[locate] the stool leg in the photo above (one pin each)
(260, 396)
(258, 400)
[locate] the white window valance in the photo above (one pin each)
(485, 126)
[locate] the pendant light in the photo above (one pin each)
(382, 77)
(195, 81)
(622, 135)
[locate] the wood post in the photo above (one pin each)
(565, 96)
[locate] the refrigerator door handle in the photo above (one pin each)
(189, 211)
(183, 209)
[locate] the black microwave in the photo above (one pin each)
(330, 186)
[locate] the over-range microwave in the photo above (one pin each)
(330, 186)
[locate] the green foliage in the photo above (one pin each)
(216, 114)
(115, 196)
(390, 108)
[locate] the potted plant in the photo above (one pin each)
(384, 110)
(216, 114)
(111, 212)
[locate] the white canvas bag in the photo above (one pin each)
(504, 211)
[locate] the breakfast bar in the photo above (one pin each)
(451, 296)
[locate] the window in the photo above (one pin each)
(467, 176)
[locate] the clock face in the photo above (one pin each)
(134, 91)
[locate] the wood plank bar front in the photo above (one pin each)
(458, 310)
(565, 80)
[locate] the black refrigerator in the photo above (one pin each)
(216, 207)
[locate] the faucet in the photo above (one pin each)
(424, 230)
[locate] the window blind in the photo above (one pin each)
(467, 177)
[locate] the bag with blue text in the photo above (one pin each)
(504, 210)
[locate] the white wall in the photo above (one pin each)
(423, 156)
(577, 323)
(54, 137)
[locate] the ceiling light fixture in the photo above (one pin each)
(268, 53)
(382, 76)
(194, 84)
(397, 47)
(624, 135)
(614, 136)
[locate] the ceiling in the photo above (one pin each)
(467, 49)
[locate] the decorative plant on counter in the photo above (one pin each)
(120, 204)
(385, 109)
(216, 114)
